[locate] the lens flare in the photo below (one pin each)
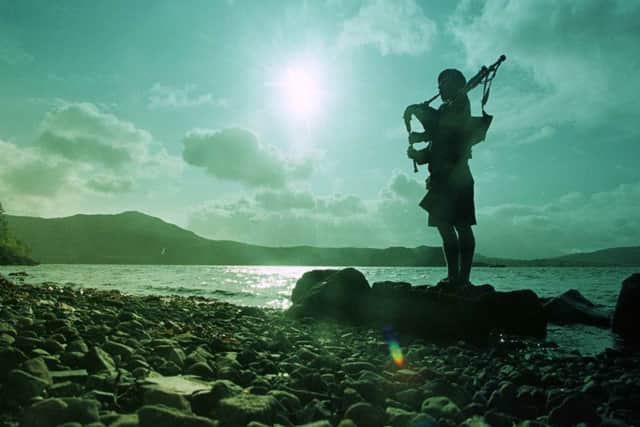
(394, 347)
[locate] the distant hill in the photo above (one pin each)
(136, 238)
(625, 256)
(629, 256)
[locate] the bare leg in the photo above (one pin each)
(451, 250)
(467, 247)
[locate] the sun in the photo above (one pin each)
(301, 93)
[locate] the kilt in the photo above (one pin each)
(450, 203)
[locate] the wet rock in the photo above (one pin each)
(573, 410)
(627, 314)
(154, 395)
(423, 420)
(83, 411)
(351, 396)
(98, 360)
(475, 421)
(24, 386)
(27, 344)
(314, 410)
(117, 349)
(242, 408)
(504, 398)
(441, 407)
(106, 399)
(356, 367)
(339, 295)
(410, 397)
(169, 368)
(65, 389)
(309, 280)
(53, 346)
(127, 420)
(323, 423)
(289, 400)
(6, 339)
(75, 375)
(397, 417)
(162, 416)
(201, 369)
(573, 307)
(365, 414)
(499, 419)
(171, 353)
(10, 358)
(45, 413)
(530, 402)
(204, 402)
(38, 368)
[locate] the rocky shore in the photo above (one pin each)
(83, 357)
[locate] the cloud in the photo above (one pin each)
(26, 171)
(300, 218)
(568, 62)
(162, 96)
(81, 149)
(574, 222)
(236, 154)
(82, 133)
(399, 28)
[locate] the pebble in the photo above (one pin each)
(202, 363)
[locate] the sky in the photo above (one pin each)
(279, 122)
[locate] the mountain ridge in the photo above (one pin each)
(133, 237)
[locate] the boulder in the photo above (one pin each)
(627, 315)
(307, 282)
(340, 294)
(432, 312)
(572, 307)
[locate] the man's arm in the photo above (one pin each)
(420, 156)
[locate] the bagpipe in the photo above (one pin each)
(475, 128)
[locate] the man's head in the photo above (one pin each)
(450, 81)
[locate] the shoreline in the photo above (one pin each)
(85, 355)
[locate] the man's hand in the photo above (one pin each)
(416, 137)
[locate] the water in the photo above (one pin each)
(271, 286)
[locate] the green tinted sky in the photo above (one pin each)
(183, 110)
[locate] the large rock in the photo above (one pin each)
(327, 293)
(627, 315)
(436, 312)
(307, 282)
(573, 307)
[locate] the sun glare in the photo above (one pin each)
(300, 91)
